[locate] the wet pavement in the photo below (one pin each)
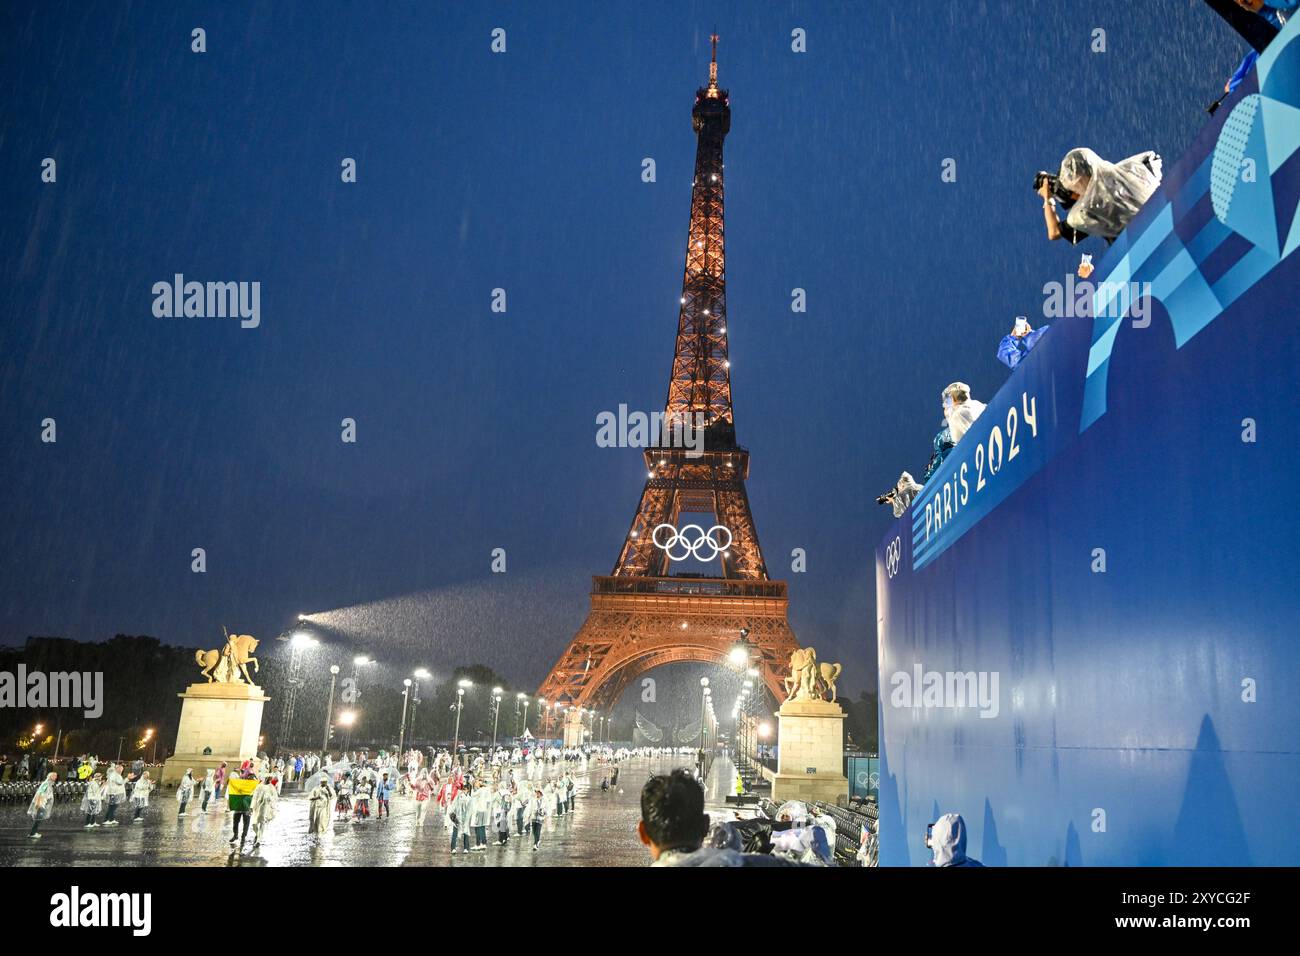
(600, 832)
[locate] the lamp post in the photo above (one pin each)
(496, 713)
(353, 692)
(522, 698)
(401, 731)
(347, 719)
(419, 675)
(299, 642)
(704, 702)
(329, 708)
(746, 700)
(460, 705)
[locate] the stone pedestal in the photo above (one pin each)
(573, 728)
(225, 719)
(810, 761)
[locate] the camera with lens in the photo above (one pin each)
(887, 498)
(1060, 192)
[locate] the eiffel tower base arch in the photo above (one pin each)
(639, 623)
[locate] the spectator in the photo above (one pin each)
(42, 805)
(960, 409)
(1104, 196)
(240, 800)
(947, 838)
(901, 495)
(673, 825)
(1018, 343)
(1257, 21)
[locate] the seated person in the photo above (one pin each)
(960, 410)
(942, 445)
(1017, 344)
(1102, 196)
(673, 826)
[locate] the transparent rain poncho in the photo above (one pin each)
(960, 415)
(905, 490)
(1110, 194)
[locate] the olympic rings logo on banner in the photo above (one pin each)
(694, 547)
(893, 553)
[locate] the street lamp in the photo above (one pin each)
(329, 708)
(420, 674)
(496, 713)
(406, 694)
(351, 694)
(704, 703)
(299, 642)
(461, 687)
(522, 698)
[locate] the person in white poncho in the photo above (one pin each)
(42, 804)
(321, 802)
(265, 800)
(140, 796)
(92, 799)
(208, 787)
(114, 793)
(185, 791)
(1101, 197)
(960, 410)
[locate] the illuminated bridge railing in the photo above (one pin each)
(689, 586)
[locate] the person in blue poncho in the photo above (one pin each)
(1257, 22)
(1018, 343)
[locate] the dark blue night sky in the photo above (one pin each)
(522, 171)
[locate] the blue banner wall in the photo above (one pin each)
(1089, 620)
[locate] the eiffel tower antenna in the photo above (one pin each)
(643, 614)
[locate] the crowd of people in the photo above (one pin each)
(483, 799)
(106, 790)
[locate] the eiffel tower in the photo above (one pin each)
(642, 615)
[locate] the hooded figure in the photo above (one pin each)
(960, 410)
(458, 815)
(263, 806)
(185, 790)
(905, 490)
(1110, 194)
(320, 800)
(93, 798)
(42, 803)
(948, 841)
(140, 796)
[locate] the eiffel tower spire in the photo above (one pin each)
(642, 615)
(699, 386)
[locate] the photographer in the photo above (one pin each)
(1017, 343)
(900, 497)
(1100, 197)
